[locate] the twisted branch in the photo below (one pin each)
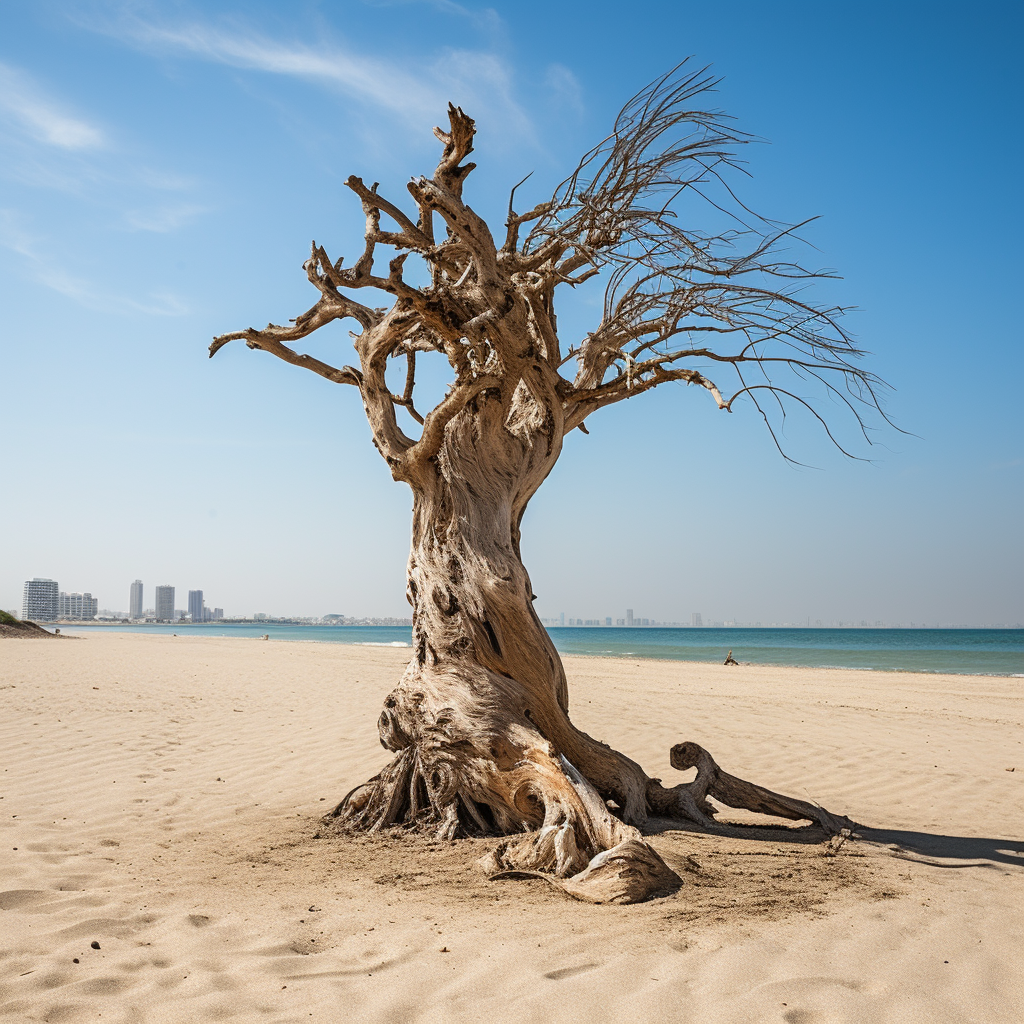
(677, 300)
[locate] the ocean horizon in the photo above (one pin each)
(955, 651)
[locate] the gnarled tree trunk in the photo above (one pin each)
(479, 722)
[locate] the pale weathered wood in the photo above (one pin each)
(479, 721)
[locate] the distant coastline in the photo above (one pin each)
(954, 651)
(389, 621)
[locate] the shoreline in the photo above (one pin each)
(616, 656)
(256, 624)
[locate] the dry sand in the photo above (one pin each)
(161, 797)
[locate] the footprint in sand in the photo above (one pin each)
(823, 999)
(22, 899)
(105, 986)
(567, 972)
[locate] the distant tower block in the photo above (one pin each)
(695, 619)
(165, 604)
(40, 600)
(629, 616)
(135, 601)
(195, 605)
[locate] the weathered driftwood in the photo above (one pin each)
(479, 722)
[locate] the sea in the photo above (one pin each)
(994, 652)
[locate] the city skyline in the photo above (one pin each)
(198, 612)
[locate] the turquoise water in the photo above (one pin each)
(966, 651)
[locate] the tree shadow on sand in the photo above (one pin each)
(943, 851)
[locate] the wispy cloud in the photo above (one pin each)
(413, 91)
(139, 198)
(361, 77)
(44, 270)
(563, 88)
(24, 104)
(486, 18)
(163, 219)
(42, 146)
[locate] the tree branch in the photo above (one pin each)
(412, 236)
(676, 298)
(461, 394)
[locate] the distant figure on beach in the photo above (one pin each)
(730, 660)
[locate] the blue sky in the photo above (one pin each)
(164, 166)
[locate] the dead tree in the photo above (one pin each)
(479, 721)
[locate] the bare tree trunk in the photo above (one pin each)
(479, 721)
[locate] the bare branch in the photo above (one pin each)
(272, 339)
(621, 213)
(677, 299)
(460, 395)
(411, 236)
(458, 144)
(631, 384)
(410, 385)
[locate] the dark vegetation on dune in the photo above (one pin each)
(10, 626)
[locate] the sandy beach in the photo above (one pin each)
(161, 798)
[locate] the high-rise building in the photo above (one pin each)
(77, 606)
(218, 613)
(695, 619)
(40, 600)
(165, 604)
(629, 616)
(561, 618)
(195, 605)
(135, 601)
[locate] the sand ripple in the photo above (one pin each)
(161, 799)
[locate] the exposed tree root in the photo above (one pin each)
(689, 800)
(508, 780)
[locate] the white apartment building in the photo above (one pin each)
(77, 606)
(40, 600)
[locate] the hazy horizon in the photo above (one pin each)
(165, 168)
(573, 618)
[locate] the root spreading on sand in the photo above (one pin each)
(473, 760)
